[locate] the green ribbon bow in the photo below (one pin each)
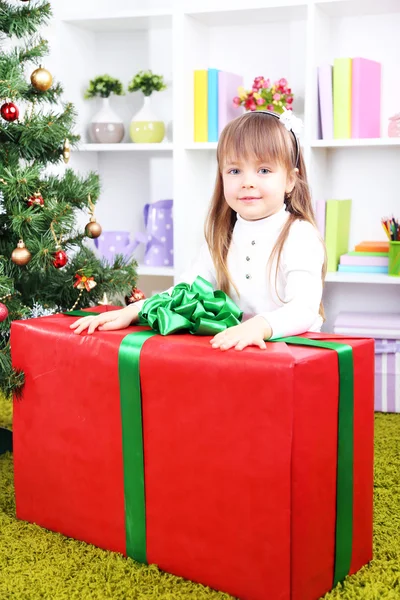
(195, 308)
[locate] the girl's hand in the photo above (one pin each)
(250, 333)
(115, 319)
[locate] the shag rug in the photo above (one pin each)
(38, 564)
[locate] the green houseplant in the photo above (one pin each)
(106, 127)
(145, 127)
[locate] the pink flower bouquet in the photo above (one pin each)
(264, 96)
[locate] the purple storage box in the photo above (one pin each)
(387, 376)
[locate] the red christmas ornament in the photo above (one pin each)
(36, 199)
(136, 295)
(60, 259)
(9, 111)
(3, 312)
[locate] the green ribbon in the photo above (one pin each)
(194, 308)
(345, 455)
(166, 321)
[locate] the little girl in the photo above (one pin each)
(262, 246)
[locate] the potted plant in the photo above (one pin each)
(145, 127)
(106, 127)
(265, 95)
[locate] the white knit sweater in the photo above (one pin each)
(291, 307)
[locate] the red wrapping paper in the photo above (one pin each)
(240, 454)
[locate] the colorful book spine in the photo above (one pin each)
(371, 261)
(228, 84)
(325, 95)
(361, 269)
(201, 105)
(372, 247)
(379, 254)
(337, 231)
(342, 68)
(212, 94)
(366, 99)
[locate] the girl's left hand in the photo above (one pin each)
(250, 333)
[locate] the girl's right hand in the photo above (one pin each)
(115, 319)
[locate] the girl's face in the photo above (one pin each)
(256, 189)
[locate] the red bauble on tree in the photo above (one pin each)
(36, 200)
(3, 312)
(9, 111)
(60, 259)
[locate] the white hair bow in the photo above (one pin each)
(291, 122)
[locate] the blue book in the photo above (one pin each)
(361, 269)
(213, 105)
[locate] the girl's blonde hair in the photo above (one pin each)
(264, 138)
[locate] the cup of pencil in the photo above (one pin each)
(392, 230)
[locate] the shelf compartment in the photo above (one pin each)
(126, 147)
(336, 277)
(356, 143)
(123, 21)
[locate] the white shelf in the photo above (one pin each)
(353, 8)
(253, 13)
(202, 146)
(126, 147)
(380, 278)
(122, 21)
(356, 143)
(156, 271)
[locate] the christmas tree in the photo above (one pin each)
(46, 265)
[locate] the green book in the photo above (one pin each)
(337, 231)
(342, 73)
(379, 254)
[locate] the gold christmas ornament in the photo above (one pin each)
(21, 255)
(66, 151)
(93, 229)
(41, 79)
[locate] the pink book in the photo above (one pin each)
(325, 99)
(367, 261)
(228, 84)
(366, 99)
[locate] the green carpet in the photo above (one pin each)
(38, 564)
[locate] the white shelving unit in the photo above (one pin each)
(274, 38)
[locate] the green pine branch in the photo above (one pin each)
(23, 20)
(39, 136)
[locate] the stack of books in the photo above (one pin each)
(214, 91)
(371, 325)
(367, 257)
(333, 221)
(349, 99)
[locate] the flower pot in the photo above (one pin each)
(106, 127)
(145, 128)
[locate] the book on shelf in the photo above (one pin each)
(337, 231)
(372, 246)
(214, 91)
(362, 269)
(364, 260)
(201, 105)
(325, 99)
(212, 99)
(228, 84)
(375, 325)
(366, 99)
(342, 68)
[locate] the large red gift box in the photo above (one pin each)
(240, 455)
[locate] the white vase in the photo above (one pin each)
(106, 127)
(145, 128)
